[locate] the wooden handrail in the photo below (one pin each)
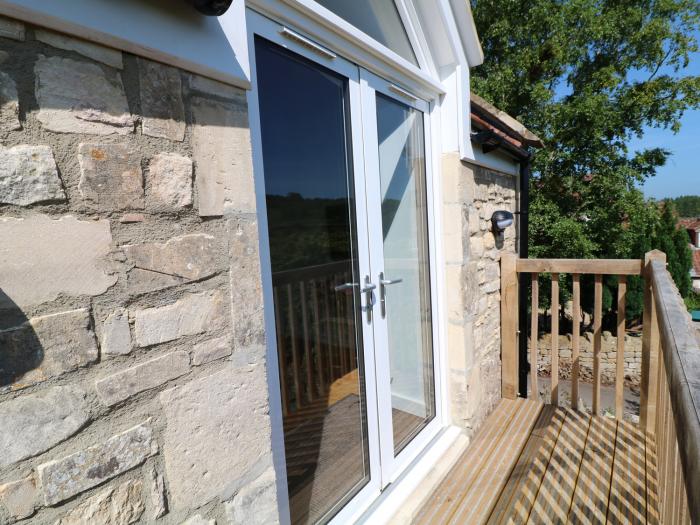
(670, 375)
(581, 266)
(680, 352)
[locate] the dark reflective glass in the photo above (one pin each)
(304, 116)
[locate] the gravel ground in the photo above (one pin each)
(585, 391)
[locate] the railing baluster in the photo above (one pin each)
(319, 345)
(620, 358)
(295, 356)
(597, 341)
(350, 333)
(650, 348)
(534, 332)
(328, 286)
(307, 344)
(281, 355)
(575, 340)
(555, 340)
(340, 322)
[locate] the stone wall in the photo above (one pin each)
(608, 357)
(133, 386)
(471, 194)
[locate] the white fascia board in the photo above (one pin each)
(462, 13)
(166, 31)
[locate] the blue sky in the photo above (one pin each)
(681, 174)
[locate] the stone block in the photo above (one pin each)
(197, 519)
(106, 55)
(28, 175)
(207, 86)
(143, 281)
(170, 178)
(161, 101)
(211, 350)
(110, 177)
(9, 104)
(41, 257)
(193, 314)
(46, 347)
(79, 97)
(116, 336)
(35, 423)
(256, 503)
(119, 505)
(181, 259)
(117, 387)
(476, 247)
(217, 428)
(64, 478)
(130, 218)
(10, 28)
(246, 283)
(222, 156)
(159, 506)
(19, 498)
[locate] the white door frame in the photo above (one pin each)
(393, 466)
(260, 25)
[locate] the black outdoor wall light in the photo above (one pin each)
(500, 220)
(211, 7)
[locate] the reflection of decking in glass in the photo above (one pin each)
(531, 463)
(323, 449)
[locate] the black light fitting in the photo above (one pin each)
(211, 7)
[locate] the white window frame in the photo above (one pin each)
(319, 25)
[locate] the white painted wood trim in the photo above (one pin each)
(234, 70)
(333, 32)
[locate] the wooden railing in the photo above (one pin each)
(315, 334)
(670, 378)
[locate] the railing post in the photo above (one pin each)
(509, 326)
(650, 348)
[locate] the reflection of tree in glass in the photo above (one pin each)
(306, 232)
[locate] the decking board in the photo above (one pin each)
(570, 468)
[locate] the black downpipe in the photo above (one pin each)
(523, 289)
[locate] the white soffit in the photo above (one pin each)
(464, 19)
(168, 31)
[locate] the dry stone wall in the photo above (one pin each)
(133, 385)
(608, 357)
(471, 194)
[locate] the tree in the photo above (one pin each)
(587, 77)
(673, 241)
(687, 205)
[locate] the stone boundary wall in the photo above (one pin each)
(133, 386)
(470, 195)
(608, 357)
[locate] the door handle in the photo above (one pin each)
(383, 283)
(368, 288)
(345, 286)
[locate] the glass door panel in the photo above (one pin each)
(404, 283)
(311, 213)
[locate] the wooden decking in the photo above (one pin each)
(531, 463)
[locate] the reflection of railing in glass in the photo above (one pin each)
(315, 334)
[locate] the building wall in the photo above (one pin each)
(470, 195)
(133, 384)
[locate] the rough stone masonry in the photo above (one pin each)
(130, 292)
(471, 194)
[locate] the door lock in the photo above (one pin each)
(368, 288)
(383, 283)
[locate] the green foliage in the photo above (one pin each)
(692, 302)
(587, 77)
(673, 241)
(687, 205)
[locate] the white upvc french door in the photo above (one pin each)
(368, 360)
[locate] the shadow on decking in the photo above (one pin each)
(550, 466)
